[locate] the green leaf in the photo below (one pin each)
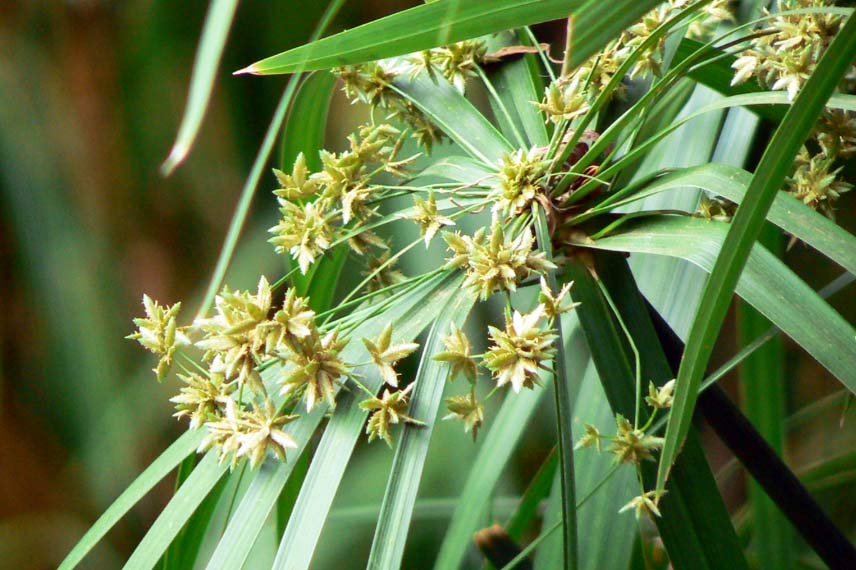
(766, 283)
(763, 387)
(499, 443)
(602, 488)
(151, 476)
(307, 121)
(744, 230)
(537, 491)
(455, 116)
(208, 54)
(184, 550)
(177, 512)
(411, 313)
(518, 83)
(461, 169)
(448, 21)
(787, 212)
(695, 526)
(406, 472)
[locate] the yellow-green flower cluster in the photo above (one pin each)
(521, 350)
(371, 83)
(246, 334)
(570, 96)
(520, 181)
(317, 207)
(389, 410)
(515, 357)
(815, 181)
(159, 333)
(783, 59)
(455, 62)
(494, 262)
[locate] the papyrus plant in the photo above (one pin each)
(555, 177)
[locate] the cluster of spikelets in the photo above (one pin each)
(373, 83)
(516, 356)
(572, 95)
(781, 57)
(333, 205)
(246, 336)
(634, 444)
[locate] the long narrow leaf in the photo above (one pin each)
(448, 21)
(767, 180)
(564, 413)
(412, 448)
(766, 283)
(208, 54)
(786, 212)
(151, 476)
(176, 513)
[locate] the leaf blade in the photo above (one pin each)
(431, 25)
(744, 230)
(412, 448)
(214, 34)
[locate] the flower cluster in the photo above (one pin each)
(633, 445)
(245, 335)
(159, 333)
(571, 96)
(455, 62)
(392, 407)
(334, 202)
(784, 58)
(815, 181)
(494, 262)
(781, 58)
(520, 180)
(515, 356)
(386, 411)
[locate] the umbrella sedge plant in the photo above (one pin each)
(547, 171)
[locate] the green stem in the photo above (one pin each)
(564, 408)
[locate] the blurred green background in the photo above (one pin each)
(91, 93)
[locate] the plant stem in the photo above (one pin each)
(564, 408)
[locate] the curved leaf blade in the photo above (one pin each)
(787, 212)
(743, 232)
(448, 21)
(151, 476)
(406, 472)
(208, 54)
(176, 513)
(767, 284)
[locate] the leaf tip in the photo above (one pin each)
(176, 156)
(249, 70)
